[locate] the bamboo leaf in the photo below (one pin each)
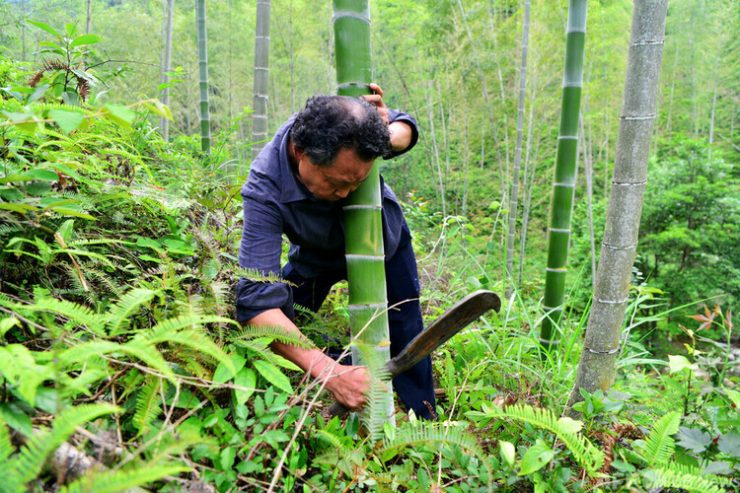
(85, 39)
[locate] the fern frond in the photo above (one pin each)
(29, 462)
(117, 481)
(584, 452)
(672, 476)
(119, 314)
(147, 405)
(171, 330)
(274, 332)
(81, 314)
(259, 276)
(427, 432)
(659, 445)
(134, 348)
(6, 447)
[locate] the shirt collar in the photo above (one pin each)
(291, 189)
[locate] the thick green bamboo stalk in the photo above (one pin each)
(261, 63)
(565, 173)
(597, 368)
(363, 221)
(205, 116)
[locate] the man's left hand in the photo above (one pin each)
(376, 99)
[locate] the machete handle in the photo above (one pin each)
(465, 311)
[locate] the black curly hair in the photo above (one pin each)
(330, 123)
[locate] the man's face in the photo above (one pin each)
(336, 181)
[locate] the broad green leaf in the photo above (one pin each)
(734, 396)
(120, 114)
(570, 425)
(729, 444)
(85, 39)
(273, 375)
(536, 457)
(159, 108)
(223, 373)
(67, 120)
(693, 439)
(677, 363)
(246, 378)
(507, 451)
(16, 418)
(19, 368)
(227, 457)
(45, 27)
(8, 323)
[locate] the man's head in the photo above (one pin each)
(335, 140)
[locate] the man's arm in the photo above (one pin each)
(401, 131)
(261, 303)
(348, 383)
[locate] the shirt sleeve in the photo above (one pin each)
(259, 251)
(400, 116)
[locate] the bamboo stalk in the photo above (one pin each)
(515, 179)
(164, 123)
(261, 67)
(205, 117)
(597, 367)
(368, 301)
(565, 174)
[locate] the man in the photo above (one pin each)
(297, 186)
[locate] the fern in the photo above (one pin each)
(116, 481)
(81, 314)
(258, 276)
(674, 476)
(427, 432)
(170, 330)
(147, 405)
(6, 447)
(136, 348)
(120, 313)
(659, 445)
(584, 452)
(274, 332)
(29, 462)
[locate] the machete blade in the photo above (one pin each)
(441, 330)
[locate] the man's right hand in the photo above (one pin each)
(349, 384)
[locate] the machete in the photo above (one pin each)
(440, 331)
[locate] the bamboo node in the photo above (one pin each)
(371, 258)
(560, 230)
(567, 137)
(619, 247)
(650, 116)
(363, 16)
(613, 302)
(357, 207)
(561, 270)
(353, 84)
(629, 183)
(607, 351)
(647, 42)
(564, 185)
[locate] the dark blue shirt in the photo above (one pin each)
(276, 202)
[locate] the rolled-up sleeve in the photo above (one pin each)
(400, 116)
(260, 251)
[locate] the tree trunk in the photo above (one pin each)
(565, 174)
(88, 20)
(514, 194)
(596, 369)
(164, 123)
(527, 184)
(368, 301)
(205, 117)
(261, 64)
